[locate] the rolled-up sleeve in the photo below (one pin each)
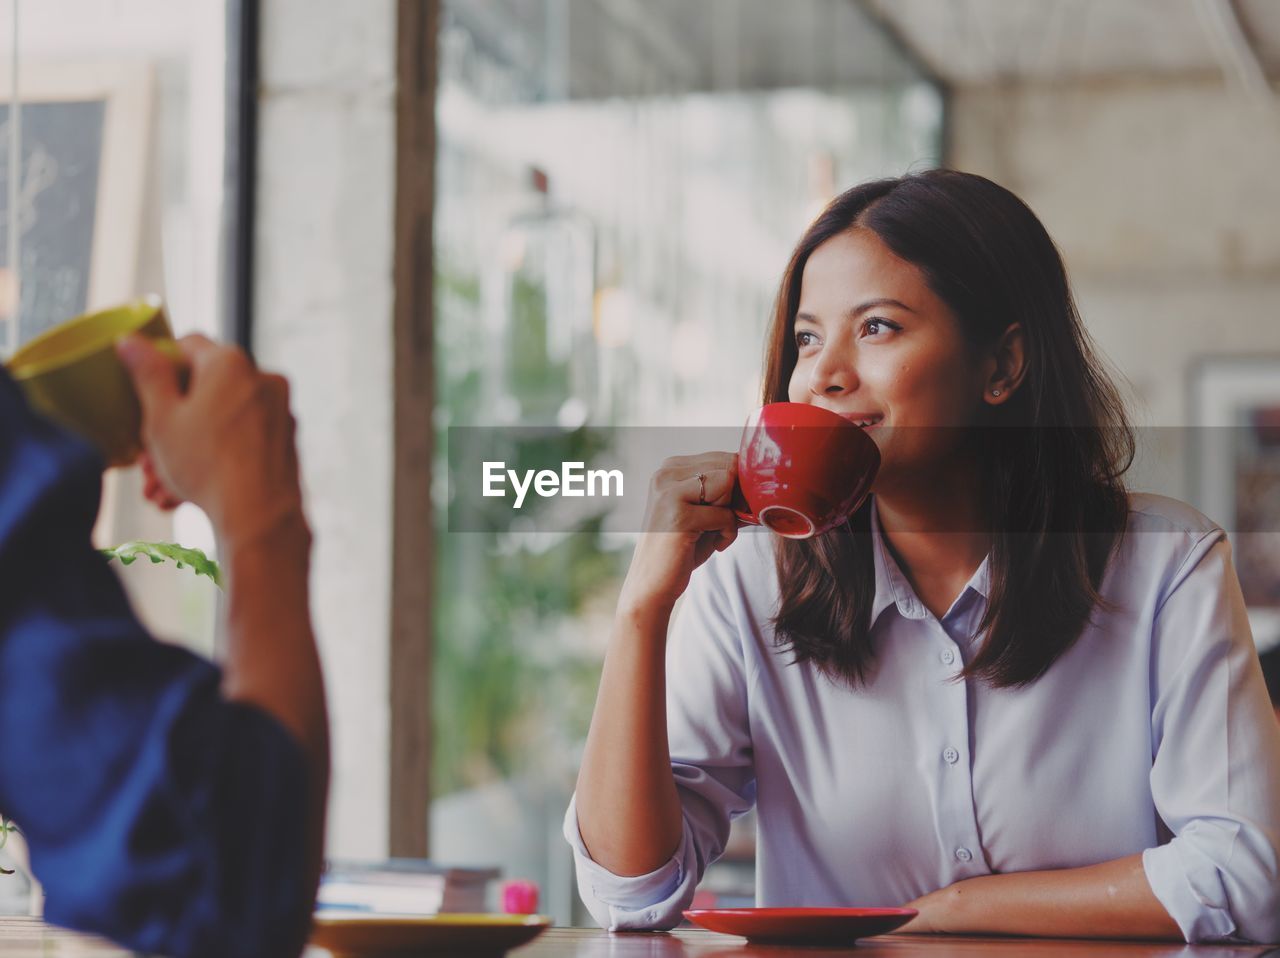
(156, 812)
(1215, 775)
(711, 759)
(633, 902)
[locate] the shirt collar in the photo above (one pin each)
(892, 587)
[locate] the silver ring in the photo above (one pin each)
(702, 488)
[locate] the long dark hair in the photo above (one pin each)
(1053, 456)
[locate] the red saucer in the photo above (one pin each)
(801, 926)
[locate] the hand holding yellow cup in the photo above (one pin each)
(72, 374)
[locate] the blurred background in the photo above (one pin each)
(575, 212)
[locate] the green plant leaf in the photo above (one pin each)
(182, 556)
(6, 827)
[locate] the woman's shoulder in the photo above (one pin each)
(1149, 512)
(736, 588)
(745, 573)
(1164, 538)
(750, 561)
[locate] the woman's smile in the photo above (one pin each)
(865, 420)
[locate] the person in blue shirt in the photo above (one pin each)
(170, 804)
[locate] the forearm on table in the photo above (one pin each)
(627, 804)
(1108, 900)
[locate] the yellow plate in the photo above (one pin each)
(364, 934)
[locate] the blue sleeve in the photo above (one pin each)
(156, 812)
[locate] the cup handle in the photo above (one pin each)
(742, 509)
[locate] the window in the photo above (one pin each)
(112, 130)
(618, 189)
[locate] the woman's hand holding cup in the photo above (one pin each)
(687, 517)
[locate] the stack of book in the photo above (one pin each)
(403, 886)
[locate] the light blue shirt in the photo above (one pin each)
(1153, 734)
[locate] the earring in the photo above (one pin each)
(995, 392)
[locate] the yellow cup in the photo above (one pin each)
(71, 374)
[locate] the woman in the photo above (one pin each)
(1009, 694)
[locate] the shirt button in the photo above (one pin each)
(947, 657)
(951, 755)
(963, 854)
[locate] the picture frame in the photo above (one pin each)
(86, 148)
(1235, 472)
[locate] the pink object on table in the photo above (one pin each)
(520, 897)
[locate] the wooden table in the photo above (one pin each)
(593, 943)
(31, 938)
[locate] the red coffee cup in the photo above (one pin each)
(802, 469)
